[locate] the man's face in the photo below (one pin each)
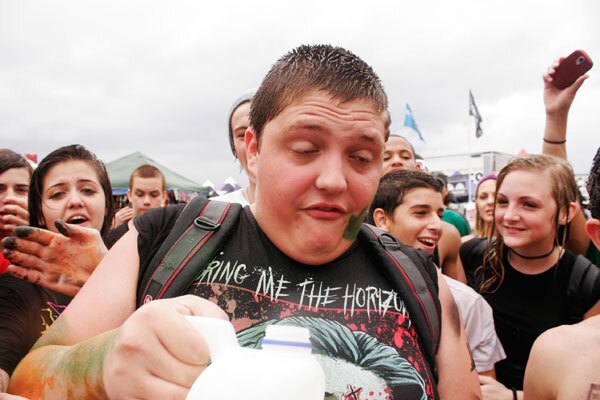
(398, 155)
(146, 193)
(240, 120)
(317, 170)
(417, 220)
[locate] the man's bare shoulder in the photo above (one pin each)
(573, 336)
(567, 358)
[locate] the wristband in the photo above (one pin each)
(555, 141)
(514, 394)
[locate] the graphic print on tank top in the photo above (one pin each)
(360, 328)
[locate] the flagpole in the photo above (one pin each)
(469, 166)
(473, 111)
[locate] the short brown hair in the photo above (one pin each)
(394, 185)
(147, 171)
(309, 68)
(11, 160)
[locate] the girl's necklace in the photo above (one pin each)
(534, 257)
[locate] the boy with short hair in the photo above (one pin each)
(318, 126)
(399, 154)
(147, 190)
(409, 205)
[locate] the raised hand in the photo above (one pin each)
(13, 213)
(58, 261)
(557, 101)
(122, 216)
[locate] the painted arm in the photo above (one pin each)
(457, 375)
(102, 304)
(100, 347)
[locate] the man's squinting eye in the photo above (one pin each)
(303, 147)
(363, 155)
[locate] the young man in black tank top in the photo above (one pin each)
(318, 126)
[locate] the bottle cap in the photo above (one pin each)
(285, 335)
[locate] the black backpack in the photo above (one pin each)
(580, 288)
(203, 227)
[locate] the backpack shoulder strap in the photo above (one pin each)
(582, 279)
(199, 232)
(480, 248)
(415, 279)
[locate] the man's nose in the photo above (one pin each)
(331, 176)
(397, 161)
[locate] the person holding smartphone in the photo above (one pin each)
(558, 103)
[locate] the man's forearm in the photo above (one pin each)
(63, 372)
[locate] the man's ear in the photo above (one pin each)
(129, 195)
(381, 219)
(592, 227)
(252, 151)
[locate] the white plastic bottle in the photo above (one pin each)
(283, 369)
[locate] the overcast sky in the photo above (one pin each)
(159, 77)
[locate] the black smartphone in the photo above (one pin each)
(571, 68)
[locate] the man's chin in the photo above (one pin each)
(317, 252)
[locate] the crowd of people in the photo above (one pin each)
(412, 304)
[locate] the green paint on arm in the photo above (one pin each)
(354, 224)
(56, 371)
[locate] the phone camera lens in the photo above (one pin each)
(580, 60)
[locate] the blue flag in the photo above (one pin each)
(409, 121)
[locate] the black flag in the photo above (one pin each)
(475, 112)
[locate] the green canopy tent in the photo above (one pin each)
(120, 169)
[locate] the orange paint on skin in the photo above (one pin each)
(31, 385)
(64, 371)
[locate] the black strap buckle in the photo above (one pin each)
(206, 223)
